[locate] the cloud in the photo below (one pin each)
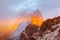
(25, 5)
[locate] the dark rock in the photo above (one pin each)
(50, 27)
(28, 33)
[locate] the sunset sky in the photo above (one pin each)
(12, 8)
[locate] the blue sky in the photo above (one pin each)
(12, 8)
(50, 8)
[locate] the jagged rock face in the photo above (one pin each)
(51, 34)
(30, 33)
(48, 23)
(49, 30)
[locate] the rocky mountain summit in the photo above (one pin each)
(49, 30)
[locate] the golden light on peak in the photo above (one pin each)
(37, 18)
(37, 21)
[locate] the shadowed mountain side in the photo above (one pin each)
(50, 29)
(49, 22)
(29, 32)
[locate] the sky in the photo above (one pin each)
(49, 8)
(12, 8)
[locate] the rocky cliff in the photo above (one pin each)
(49, 30)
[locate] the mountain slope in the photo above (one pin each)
(49, 30)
